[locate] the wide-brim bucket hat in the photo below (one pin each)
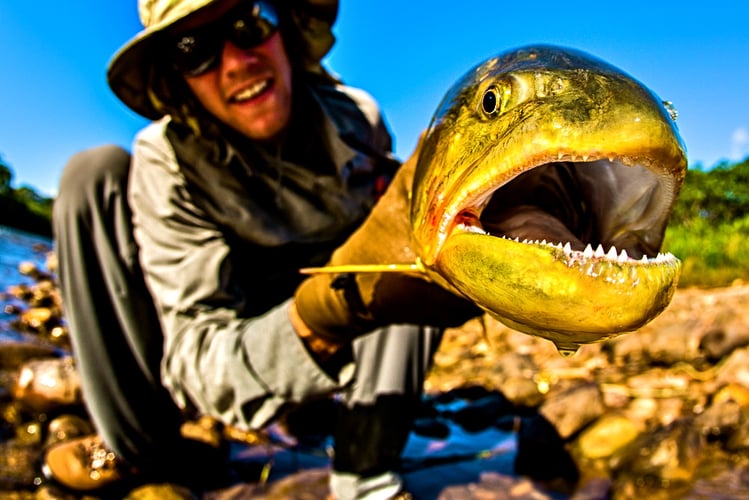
(130, 72)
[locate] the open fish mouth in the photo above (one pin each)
(543, 191)
(556, 204)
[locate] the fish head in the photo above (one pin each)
(542, 192)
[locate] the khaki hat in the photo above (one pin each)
(130, 74)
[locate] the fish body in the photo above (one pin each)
(542, 192)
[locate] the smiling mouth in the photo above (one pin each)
(253, 91)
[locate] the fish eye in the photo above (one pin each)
(490, 101)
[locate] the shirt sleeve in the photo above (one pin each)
(239, 369)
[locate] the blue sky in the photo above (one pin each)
(54, 100)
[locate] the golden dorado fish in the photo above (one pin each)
(542, 193)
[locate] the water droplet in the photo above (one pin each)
(672, 111)
(567, 350)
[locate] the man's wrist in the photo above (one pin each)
(321, 348)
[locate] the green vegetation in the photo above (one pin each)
(23, 208)
(709, 229)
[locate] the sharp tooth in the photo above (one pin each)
(560, 155)
(543, 242)
(644, 259)
(588, 252)
(567, 248)
(585, 157)
(623, 257)
(599, 251)
(612, 253)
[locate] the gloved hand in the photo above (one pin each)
(339, 307)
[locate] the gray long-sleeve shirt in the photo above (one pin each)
(228, 353)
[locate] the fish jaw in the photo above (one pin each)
(566, 296)
(556, 106)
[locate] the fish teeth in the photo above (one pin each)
(623, 257)
(612, 255)
(599, 251)
(588, 252)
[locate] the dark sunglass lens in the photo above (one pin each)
(255, 27)
(194, 53)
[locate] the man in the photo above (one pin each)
(258, 163)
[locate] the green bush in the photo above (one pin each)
(711, 254)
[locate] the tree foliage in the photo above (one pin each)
(716, 196)
(709, 229)
(23, 208)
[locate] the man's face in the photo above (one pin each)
(249, 89)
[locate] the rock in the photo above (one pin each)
(51, 262)
(67, 427)
(735, 368)
(161, 492)
(607, 435)
(47, 384)
(719, 420)
(667, 457)
(206, 429)
(738, 441)
(13, 354)
(493, 486)
(724, 338)
(732, 392)
(587, 400)
(674, 343)
(21, 292)
(597, 488)
(18, 465)
(38, 320)
(628, 349)
(31, 270)
(516, 382)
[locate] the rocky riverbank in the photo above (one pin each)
(659, 413)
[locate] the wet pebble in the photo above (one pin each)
(587, 400)
(607, 435)
(47, 384)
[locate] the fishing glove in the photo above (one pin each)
(340, 306)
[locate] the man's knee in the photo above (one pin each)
(89, 174)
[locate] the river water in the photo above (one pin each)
(17, 247)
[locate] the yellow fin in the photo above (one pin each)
(416, 267)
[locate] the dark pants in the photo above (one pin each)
(115, 332)
(117, 338)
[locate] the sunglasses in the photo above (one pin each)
(198, 50)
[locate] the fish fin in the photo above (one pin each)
(416, 267)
